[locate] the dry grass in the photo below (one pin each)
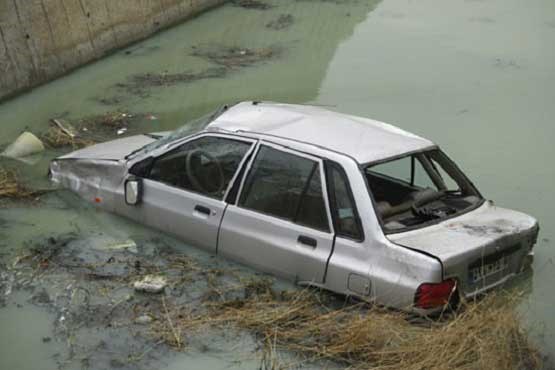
(11, 187)
(483, 335)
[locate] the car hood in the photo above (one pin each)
(111, 150)
(487, 229)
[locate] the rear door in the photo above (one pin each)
(280, 222)
(183, 189)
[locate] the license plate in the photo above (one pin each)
(482, 272)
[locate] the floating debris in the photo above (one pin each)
(235, 57)
(11, 186)
(55, 138)
(139, 84)
(127, 245)
(144, 319)
(151, 284)
(282, 22)
(25, 145)
(505, 63)
(251, 4)
(166, 79)
(88, 131)
(228, 59)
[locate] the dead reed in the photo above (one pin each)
(11, 187)
(57, 138)
(483, 335)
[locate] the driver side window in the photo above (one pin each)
(205, 165)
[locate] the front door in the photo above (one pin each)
(281, 223)
(184, 188)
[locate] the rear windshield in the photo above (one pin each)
(418, 190)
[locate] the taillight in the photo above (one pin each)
(432, 295)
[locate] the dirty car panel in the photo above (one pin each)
(481, 249)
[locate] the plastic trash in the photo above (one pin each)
(150, 284)
(144, 319)
(127, 245)
(26, 144)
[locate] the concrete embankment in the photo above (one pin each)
(44, 39)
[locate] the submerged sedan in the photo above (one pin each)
(345, 203)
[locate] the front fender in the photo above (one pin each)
(95, 180)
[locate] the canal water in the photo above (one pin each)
(475, 76)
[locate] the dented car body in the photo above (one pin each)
(349, 204)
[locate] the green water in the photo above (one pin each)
(477, 77)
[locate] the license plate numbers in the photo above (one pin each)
(482, 272)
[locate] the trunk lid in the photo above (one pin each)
(481, 249)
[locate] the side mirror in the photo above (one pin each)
(133, 190)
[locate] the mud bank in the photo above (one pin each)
(45, 39)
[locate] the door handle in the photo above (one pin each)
(202, 209)
(306, 240)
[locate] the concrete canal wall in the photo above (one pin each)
(44, 39)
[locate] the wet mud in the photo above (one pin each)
(86, 281)
(282, 22)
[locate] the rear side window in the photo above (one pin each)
(343, 209)
(287, 186)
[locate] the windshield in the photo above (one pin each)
(419, 189)
(192, 127)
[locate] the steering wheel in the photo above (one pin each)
(190, 170)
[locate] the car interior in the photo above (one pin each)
(417, 189)
(204, 166)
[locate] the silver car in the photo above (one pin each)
(345, 203)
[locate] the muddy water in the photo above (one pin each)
(478, 77)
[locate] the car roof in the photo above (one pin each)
(363, 139)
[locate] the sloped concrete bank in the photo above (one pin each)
(44, 39)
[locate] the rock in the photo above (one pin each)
(144, 319)
(151, 284)
(26, 144)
